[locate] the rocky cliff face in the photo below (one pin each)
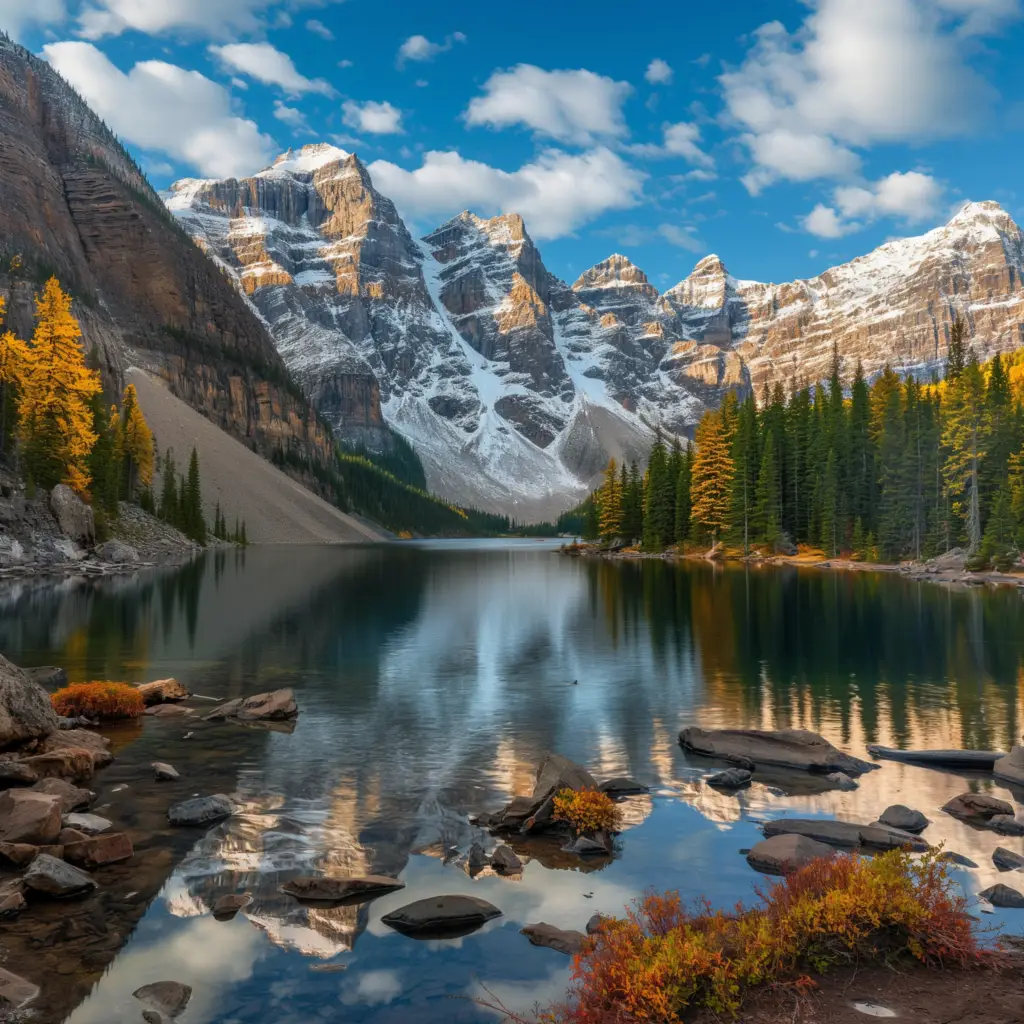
(515, 388)
(73, 203)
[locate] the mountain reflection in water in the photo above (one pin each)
(431, 679)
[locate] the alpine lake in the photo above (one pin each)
(431, 679)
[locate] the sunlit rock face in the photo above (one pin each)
(515, 388)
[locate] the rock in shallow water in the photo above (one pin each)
(25, 709)
(167, 997)
(165, 772)
(731, 778)
(162, 691)
(90, 824)
(441, 916)
(903, 817)
(558, 939)
(505, 862)
(623, 786)
(201, 810)
(27, 817)
(99, 850)
(1007, 860)
(15, 992)
(784, 854)
(72, 797)
(977, 805)
(1000, 895)
(52, 877)
(273, 706)
(226, 907)
(335, 890)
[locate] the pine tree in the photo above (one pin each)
(830, 527)
(169, 492)
(55, 421)
(893, 504)
(746, 458)
(611, 504)
(964, 438)
(861, 468)
(243, 538)
(999, 541)
(193, 502)
(1015, 482)
(768, 507)
(136, 444)
(13, 358)
(105, 457)
(633, 505)
(711, 486)
(956, 355)
(659, 500)
(683, 495)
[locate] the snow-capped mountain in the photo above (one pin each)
(515, 388)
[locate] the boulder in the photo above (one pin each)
(476, 859)
(596, 844)
(162, 691)
(164, 772)
(441, 916)
(226, 907)
(17, 855)
(782, 748)
(1000, 895)
(73, 516)
(360, 889)
(784, 854)
(731, 778)
(558, 939)
(16, 773)
(52, 877)
(201, 810)
(49, 676)
(15, 992)
(90, 824)
(25, 709)
(71, 754)
(535, 813)
(1011, 767)
(1006, 825)
(846, 833)
(951, 857)
(27, 817)
(902, 817)
(67, 836)
(841, 781)
(168, 711)
(1007, 860)
(12, 902)
(557, 773)
(505, 862)
(623, 786)
(969, 806)
(116, 551)
(97, 851)
(274, 706)
(167, 997)
(72, 798)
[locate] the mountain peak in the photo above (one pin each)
(614, 272)
(986, 211)
(308, 159)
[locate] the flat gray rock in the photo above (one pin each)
(845, 833)
(167, 997)
(558, 939)
(25, 709)
(15, 992)
(1007, 860)
(784, 748)
(969, 806)
(51, 877)
(336, 890)
(1010, 768)
(842, 781)
(441, 916)
(201, 810)
(165, 772)
(731, 778)
(902, 817)
(90, 824)
(784, 854)
(1000, 895)
(273, 706)
(623, 786)
(979, 759)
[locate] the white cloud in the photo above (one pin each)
(372, 117)
(556, 193)
(163, 107)
(18, 15)
(270, 66)
(316, 26)
(658, 72)
(345, 64)
(216, 18)
(680, 139)
(571, 106)
(683, 237)
(911, 196)
(857, 72)
(291, 116)
(420, 48)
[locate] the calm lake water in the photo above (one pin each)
(431, 679)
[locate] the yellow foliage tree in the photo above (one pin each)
(610, 503)
(711, 486)
(136, 443)
(13, 352)
(55, 420)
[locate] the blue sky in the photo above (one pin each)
(785, 136)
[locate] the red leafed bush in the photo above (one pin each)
(662, 962)
(98, 700)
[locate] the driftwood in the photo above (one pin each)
(979, 759)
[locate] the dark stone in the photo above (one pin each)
(166, 997)
(782, 855)
(731, 778)
(623, 786)
(558, 939)
(49, 676)
(505, 862)
(442, 916)
(72, 797)
(595, 923)
(957, 858)
(164, 772)
(597, 844)
(977, 805)
(1006, 825)
(51, 877)
(841, 781)
(903, 817)
(1007, 860)
(15, 773)
(845, 833)
(17, 854)
(201, 810)
(1000, 895)
(476, 859)
(226, 907)
(337, 890)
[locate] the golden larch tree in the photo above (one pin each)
(610, 502)
(136, 443)
(13, 352)
(55, 418)
(711, 482)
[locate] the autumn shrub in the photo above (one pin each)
(98, 700)
(662, 962)
(587, 810)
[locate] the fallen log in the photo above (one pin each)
(979, 759)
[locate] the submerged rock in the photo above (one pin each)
(623, 786)
(201, 810)
(12, 903)
(846, 833)
(782, 748)
(226, 907)
(558, 939)
(15, 992)
(841, 781)
(784, 854)
(28, 817)
(99, 850)
(1006, 825)
(594, 844)
(731, 778)
(52, 877)
(950, 857)
(166, 997)
(441, 916)
(335, 890)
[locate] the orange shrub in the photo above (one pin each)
(98, 700)
(661, 962)
(587, 810)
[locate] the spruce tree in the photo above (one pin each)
(169, 491)
(684, 501)
(768, 507)
(829, 536)
(659, 500)
(964, 438)
(633, 505)
(746, 458)
(956, 355)
(861, 467)
(193, 501)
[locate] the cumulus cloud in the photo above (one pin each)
(680, 139)
(268, 65)
(18, 15)
(683, 237)
(556, 193)
(911, 196)
(420, 48)
(317, 27)
(163, 107)
(855, 73)
(570, 106)
(212, 18)
(372, 117)
(658, 72)
(291, 116)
